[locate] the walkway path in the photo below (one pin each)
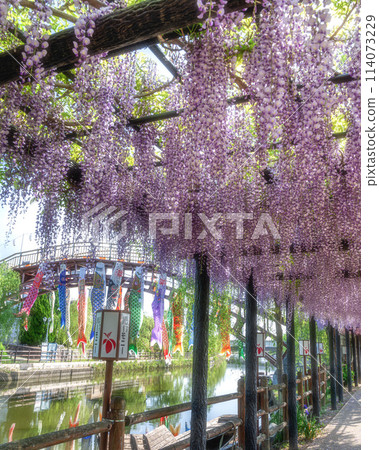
(344, 430)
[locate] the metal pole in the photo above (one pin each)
(200, 355)
(251, 365)
(106, 400)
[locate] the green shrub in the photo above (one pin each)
(307, 426)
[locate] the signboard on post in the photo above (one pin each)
(111, 340)
(260, 345)
(320, 348)
(304, 348)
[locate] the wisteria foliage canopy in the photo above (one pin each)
(252, 131)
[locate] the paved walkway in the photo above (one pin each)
(344, 430)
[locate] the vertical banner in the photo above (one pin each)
(32, 296)
(114, 285)
(98, 292)
(178, 313)
(158, 311)
(82, 309)
(134, 304)
(62, 293)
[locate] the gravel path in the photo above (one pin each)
(344, 430)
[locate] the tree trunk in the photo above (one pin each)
(251, 364)
(291, 372)
(339, 368)
(200, 354)
(348, 360)
(314, 368)
(333, 398)
(354, 348)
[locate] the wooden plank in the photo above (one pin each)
(158, 438)
(58, 437)
(175, 409)
(215, 427)
(124, 29)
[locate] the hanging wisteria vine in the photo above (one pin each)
(259, 182)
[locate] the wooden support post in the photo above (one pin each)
(241, 412)
(355, 367)
(310, 388)
(359, 357)
(339, 367)
(348, 360)
(305, 364)
(332, 369)
(291, 371)
(106, 401)
(314, 368)
(251, 364)
(200, 354)
(300, 389)
(117, 414)
(322, 386)
(285, 409)
(265, 418)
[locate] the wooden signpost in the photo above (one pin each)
(260, 345)
(111, 343)
(320, 350)
(304, 351)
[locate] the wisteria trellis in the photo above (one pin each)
(72, 147)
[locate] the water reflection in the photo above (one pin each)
(42, 409)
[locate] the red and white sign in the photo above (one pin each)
(260, 345)
(320, 348)
(111, 340)
(304, 348)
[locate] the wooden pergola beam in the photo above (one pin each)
(157, 52)
(122, 29)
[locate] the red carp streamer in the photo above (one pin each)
(178, 313)
(224, 318)
(31, 297)
(165, 342)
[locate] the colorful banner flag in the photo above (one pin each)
(114, 285)
(134, 304)
(32, 296)
(97, 293)
(158, 311)
(62, 294)
(82, 309)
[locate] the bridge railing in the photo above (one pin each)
(81, 250)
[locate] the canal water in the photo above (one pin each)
(41, 409)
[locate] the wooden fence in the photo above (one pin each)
(116, 421)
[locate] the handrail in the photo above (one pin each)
(175, 409)
(59, 437)
(75, 251)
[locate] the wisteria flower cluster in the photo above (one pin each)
(253, 133)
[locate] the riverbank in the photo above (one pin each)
(37, 373)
